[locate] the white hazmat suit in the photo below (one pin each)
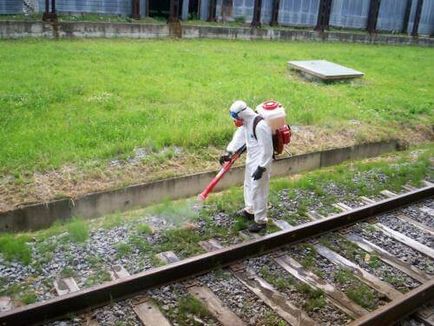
(259, 153)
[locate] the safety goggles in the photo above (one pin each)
(234, 115)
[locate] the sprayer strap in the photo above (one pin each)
(258, 118)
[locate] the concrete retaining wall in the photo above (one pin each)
(93, 205)
(20, 29)
(298, 35)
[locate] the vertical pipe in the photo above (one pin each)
(319, 21)
(198, 9)
(417, 18)
(324, 11)
(275, 13)
(174, 11)
(406, 16)
(374, 9)
(256, 21)
(135, 9)
(47, 6)
(327, 13)
(53, 6)
(211, 11)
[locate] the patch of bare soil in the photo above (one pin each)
(74, 181)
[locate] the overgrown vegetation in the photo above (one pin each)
(124, 103)
(14, 247)
(78, 230)
(314, 298)
(112, 221)
(144, 229)
(98, 277)
(123, 249)
(184, 242)
(189, 306)
(357, 291)
(20, 292)
(278, 281)
(342, 245)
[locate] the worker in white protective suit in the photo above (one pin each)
(258, 162)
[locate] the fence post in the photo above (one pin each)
(324, 10)
(406, 16)
(174, 11)
(374, 9)
(50, 15)
(417, 18)
(211, 11)
(136, 9)
(256, 21)
(275, 13)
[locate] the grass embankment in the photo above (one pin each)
(75, 101)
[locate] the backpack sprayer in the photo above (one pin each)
(274, 114)
(225, 168)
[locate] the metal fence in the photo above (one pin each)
(426, 25)
(115, 7)
(344, 13)
(298, 12)
(349, 13)
(390, 17)
(9, 7)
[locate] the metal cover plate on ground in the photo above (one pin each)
(324, 69)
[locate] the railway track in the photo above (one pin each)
(330, 241)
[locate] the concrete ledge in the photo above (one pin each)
(38, 216)
(243, 33)
(21, 29)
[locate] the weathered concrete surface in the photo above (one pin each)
(20, 29)
(243, 33)
(112, 30)
(96, 204)
(15, 29)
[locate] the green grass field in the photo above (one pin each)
(73, 101)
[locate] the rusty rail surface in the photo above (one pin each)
(103, 294)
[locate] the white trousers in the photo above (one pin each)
(256, 193)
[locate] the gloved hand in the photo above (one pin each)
(258, 173)
(224, 158)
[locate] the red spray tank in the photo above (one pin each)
(274, 114)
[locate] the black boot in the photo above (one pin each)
(255, 227)
(246, 215)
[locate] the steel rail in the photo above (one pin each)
(396, 309)
(103, 294)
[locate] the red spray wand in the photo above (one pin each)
(225, 168)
